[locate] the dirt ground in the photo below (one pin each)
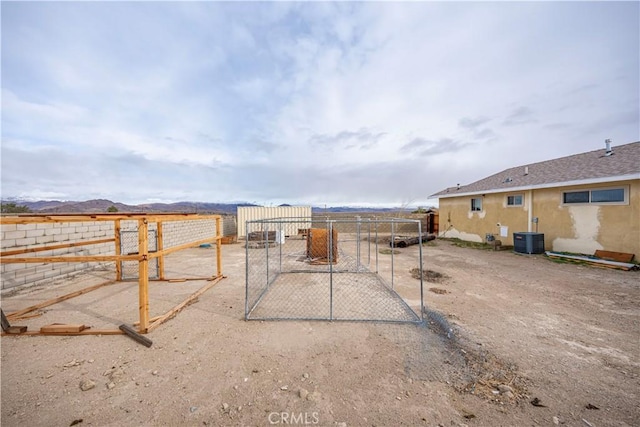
(502, 330)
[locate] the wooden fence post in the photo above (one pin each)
(143, 273)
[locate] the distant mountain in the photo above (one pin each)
(102, 205)
(193, 207)
(319, 210)
(40, 204)
(89, 206)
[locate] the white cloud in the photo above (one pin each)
(347, 102)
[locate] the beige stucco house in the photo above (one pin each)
(581, 203)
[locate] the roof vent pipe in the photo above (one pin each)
(526, 170)
(609, 151)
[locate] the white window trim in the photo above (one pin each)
(471, 203)
(514, 195)
(625, 202)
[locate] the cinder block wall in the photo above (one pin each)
(229, 225)
(22, 236)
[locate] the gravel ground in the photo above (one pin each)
(502, 330)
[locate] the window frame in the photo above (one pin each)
(514, 205)
(624, 188)
(471, 206)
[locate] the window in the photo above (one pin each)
(476, 204)
(514, 200)
(576, 197)
(607, 195)
(611, 195)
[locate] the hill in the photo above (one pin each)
(102, 205)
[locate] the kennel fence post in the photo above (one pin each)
(330, 240)
(358, 223)
(160, 248)
(393, 246)
(280, 240)
(265, 229)
(246, 270)
(376, 230)
(369, 244)
(421, 274)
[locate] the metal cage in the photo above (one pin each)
(311, 269)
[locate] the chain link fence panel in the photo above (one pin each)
(327, 270)
(129, 246)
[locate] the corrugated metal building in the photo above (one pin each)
(252, 213)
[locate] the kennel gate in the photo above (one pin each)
(322, 269)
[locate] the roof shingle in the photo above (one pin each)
(623, 161)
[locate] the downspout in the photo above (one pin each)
(530, 211)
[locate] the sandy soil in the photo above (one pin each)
(502, 330)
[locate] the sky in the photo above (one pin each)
(322, 103)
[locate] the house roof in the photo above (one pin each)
(592, 167)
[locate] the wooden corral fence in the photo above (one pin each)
(143, 256)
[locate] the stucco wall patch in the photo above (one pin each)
(586, 226)
(456, 234)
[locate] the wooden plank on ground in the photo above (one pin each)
(85, 332)
(594, 261)
(175, 310)
(28, 316)
(614, 256)
(58, 299)
(14, 330)
(63, 328)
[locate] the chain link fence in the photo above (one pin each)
(171, 234)
(321, 269)
(129, 246)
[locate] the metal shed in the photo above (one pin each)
(253, 213)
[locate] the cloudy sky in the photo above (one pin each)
(311, 103)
